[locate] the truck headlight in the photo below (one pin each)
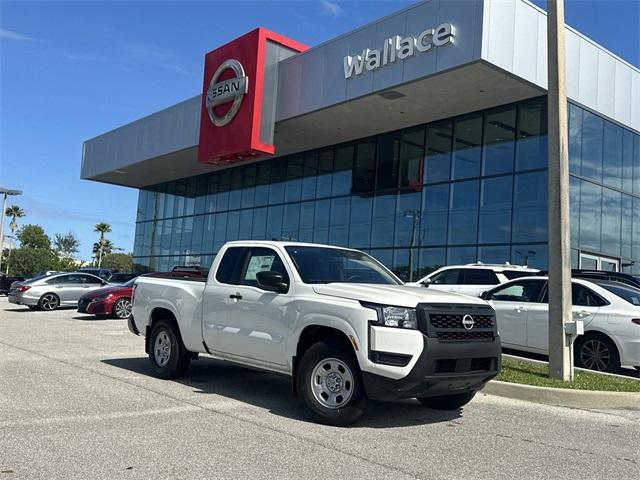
(399, 317)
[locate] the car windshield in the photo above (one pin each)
(629, 294)
(331, 265)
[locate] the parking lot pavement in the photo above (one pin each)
(77, 401)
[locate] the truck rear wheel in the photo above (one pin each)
(330, 383)
(168, 356)
(448, 402)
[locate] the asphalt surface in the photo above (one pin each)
(77, 400)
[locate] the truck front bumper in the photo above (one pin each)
(442, 369)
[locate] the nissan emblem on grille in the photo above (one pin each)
(468, 322)
(225, 91)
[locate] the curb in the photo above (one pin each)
(564, 397)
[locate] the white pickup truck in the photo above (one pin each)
(336, 320)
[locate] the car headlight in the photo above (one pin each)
(399, 317)
(100, 299)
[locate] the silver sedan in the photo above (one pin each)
(53, 291)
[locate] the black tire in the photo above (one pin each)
(596, 352)
(122, 308)
(346, 410)
(169, 358)
(448, 402)
(48, 302)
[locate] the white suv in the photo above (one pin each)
(474, 278)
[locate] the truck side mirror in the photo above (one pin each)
(426, 282)
(272, 281)
(484, 295)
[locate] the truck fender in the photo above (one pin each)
(320, 328)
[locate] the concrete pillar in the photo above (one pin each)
(560, 359)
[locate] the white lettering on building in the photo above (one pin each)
(396, 48)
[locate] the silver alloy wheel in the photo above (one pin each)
(123, 308)
(162, 349)
(49, 302)
(595, 355)
(332, 383)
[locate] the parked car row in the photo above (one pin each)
(609, 310)
(608, 303)
(51, 290)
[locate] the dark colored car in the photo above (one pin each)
(112, 300)
(5, 283)
(98, 272)
(119, 278)
(601, 275)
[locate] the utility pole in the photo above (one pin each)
(5, 192)
(560, 358)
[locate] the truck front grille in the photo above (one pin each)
(451, 323)
(444, 320)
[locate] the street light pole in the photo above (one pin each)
(560, 360)
(5, 192)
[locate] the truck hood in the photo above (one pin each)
(397, 295)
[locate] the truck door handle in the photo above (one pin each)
(237, 296)
(582, 314)
(519, 309)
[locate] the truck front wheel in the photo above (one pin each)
(448, 402)
(329, 381)
(168, 356)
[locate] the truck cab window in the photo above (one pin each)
(262, 260)
(231, 265)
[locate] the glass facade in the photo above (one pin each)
(604, 162)
(459, 190)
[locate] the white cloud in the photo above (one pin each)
(331, 8)
(18, 37)
(86, 57)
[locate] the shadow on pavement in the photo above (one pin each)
(94, 318)
(273, 392)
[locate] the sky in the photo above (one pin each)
(70, 71)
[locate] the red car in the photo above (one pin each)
(111, 300)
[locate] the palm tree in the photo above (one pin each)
(14, 212)
(102, 228)
(107, 248)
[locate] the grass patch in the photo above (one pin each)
(537, 374)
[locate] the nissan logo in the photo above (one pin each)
(468, 322)
(225, 91)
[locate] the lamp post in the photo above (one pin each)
(5, 192)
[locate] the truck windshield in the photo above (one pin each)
(330, 265)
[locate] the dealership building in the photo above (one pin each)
(420, 138)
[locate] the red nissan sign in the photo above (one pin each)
(232, 117)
